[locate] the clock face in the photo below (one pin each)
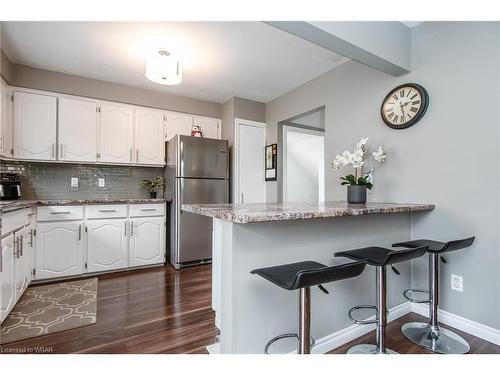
(404, 106)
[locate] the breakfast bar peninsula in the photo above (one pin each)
(250, 310)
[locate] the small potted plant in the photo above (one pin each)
(359, 181)
(153, 185)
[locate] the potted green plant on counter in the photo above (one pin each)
(359, 181)
(153, 185)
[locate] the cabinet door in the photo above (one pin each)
(34, 126)
(29, 253)
(77, 130)
(106, 245)
(7, 279)
(59, 249)
(147, 241)
(115, 134)
(149, 141)
(6, 126)
(210, 127)
(178, 123)
(20, 262)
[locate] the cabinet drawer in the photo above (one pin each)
(153, 209)
(107, 211)
(13, 220)
(58, 213)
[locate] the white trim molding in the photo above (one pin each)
(469, 326)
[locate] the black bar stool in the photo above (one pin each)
(380, 258)
(429, 335)
(302, 276)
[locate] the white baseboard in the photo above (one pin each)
(214, 348)
(477, 329)
(217, 321)
(336, 339)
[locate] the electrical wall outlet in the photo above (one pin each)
(457, 283)
(101, 182)
(74, 182)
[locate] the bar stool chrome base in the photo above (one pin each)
(441, 341)
(368, 349)
(312, 342)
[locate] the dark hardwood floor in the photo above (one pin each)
(396, 341)
(163, 310)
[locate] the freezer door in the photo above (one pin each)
(202, 158)
(194, 232)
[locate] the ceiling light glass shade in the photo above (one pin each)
(163, 68)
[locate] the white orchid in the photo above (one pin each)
(379, 155)
(357, 159)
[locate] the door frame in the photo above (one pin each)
(297, 129)
(236, 164)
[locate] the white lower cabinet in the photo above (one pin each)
(147, 241)
(59, 249)
(107, 245)
(7, 277)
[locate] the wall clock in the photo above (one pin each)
(404, 106)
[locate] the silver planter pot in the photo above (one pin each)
(356, 194)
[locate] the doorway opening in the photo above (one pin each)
(301, 175)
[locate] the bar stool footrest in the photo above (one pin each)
(362, 322)
(285, 336)
(409, 291)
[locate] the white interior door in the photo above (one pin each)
(77, 130)
(149, 141)
(250, 142)
(35, 123)
(116, 134)
(303, 165)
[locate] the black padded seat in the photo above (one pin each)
(379, 256)
(436, 246)
(306, 274)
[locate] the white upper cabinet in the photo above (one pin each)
(209, 126)
(6, 125)
(77, 130)
(178, 123)
(149, 141)
(35, 126)
(116, 134)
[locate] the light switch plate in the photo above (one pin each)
(101, 182)
(74, 182)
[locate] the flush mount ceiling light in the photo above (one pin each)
(163, 68)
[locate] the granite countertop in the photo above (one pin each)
(6, 206)
(263, 212)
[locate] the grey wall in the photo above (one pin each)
(52, 181)
(451, 158)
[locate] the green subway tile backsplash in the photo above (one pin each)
(53, 181)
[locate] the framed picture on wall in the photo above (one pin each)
(271, 162)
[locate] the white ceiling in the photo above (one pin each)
(220, 59)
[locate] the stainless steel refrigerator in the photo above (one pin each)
(197, 172)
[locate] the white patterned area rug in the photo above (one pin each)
(51, 308)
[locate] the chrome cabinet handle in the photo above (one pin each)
(148, 209)
(16, 248)
(60, 151)
(22, 245)
(80, 232)
(136, 155)
(242, 198)
(125, 229)
(107, 210)
(131, 228)
(61, 213)
(31, 238)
